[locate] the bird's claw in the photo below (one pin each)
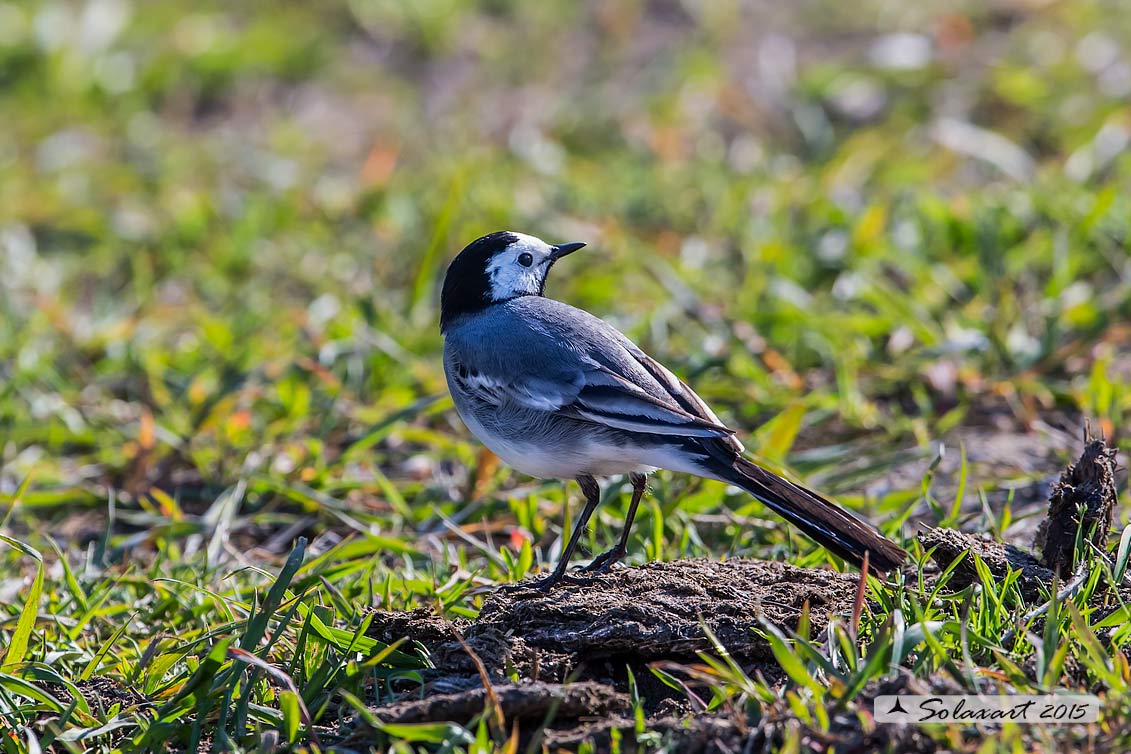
(603, 562)
(546, 584)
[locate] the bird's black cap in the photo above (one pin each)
(467, 288)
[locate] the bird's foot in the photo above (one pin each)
(603, 562)
(546, 584)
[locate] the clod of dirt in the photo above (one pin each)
(1084, 499)
(99, 692)
(420, 625)
(529, 701)
(105, 691)
(1000, 558)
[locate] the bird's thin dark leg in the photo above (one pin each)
(592, 494)
(605, 560)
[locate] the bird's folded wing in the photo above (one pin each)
(609, 399)
(594, 394)
(682, 394)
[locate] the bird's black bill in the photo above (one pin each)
(563, 249)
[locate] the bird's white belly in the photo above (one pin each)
(557, 461)
(546, 463)
(568, 459)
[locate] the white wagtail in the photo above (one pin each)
(558, 394)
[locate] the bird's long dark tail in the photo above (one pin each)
(827, 523)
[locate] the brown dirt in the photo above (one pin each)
(728, 731)
(101, 692)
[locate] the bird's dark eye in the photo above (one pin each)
(525, 259)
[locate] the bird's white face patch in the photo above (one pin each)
(510, 276)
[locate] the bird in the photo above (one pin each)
(558, 393)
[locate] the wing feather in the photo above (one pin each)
(679, 390)
(597, 395)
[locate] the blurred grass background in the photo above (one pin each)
(858, 229)
(223, 228)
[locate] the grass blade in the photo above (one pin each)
(17, 647)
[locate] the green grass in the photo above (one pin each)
(221, 235)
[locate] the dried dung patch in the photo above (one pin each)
(654, 612)
(530, 701)
(570, 647)
(1083, 498)
(631, 616)
(1000, 558)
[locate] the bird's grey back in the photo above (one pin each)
(548, 339)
